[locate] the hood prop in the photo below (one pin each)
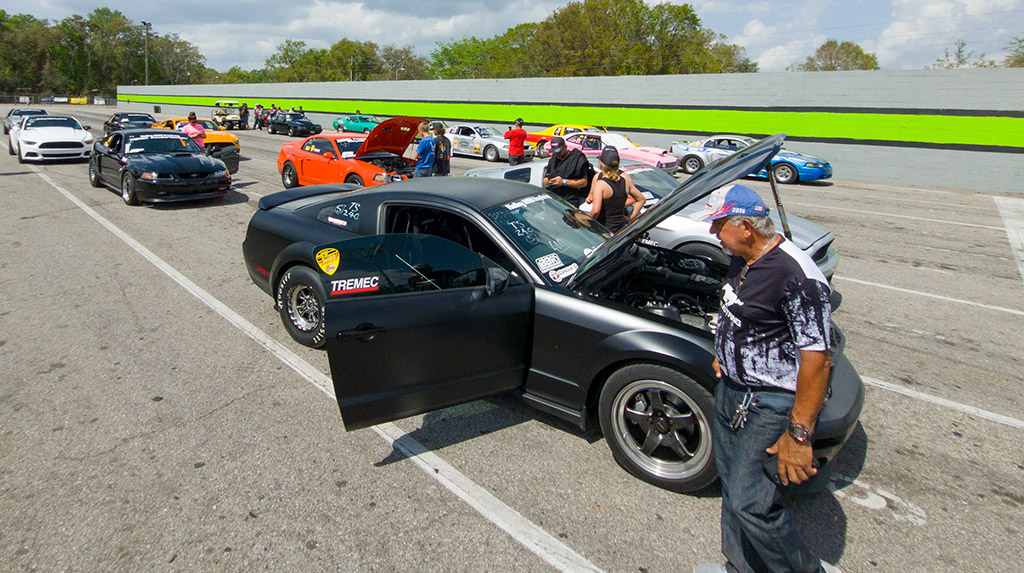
(778, 203)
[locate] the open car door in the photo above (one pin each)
(416, 323)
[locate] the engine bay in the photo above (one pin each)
(671, 284)
(389, 162)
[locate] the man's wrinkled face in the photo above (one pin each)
(732, 237)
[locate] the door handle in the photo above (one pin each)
(365, 332)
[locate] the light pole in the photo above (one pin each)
(148, 25)
(402, 69)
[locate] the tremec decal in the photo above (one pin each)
(328, 260)
(354, 285)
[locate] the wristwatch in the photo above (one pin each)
(800, 433)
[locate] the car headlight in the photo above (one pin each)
(27, 142)
(89, 141)
(380, 177)
(237, 144)
(149, 175)
(818, 165)
(220, 173)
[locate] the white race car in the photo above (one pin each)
(41, 137)
(482, 141)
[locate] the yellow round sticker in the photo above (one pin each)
(328, 260)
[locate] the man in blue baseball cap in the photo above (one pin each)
(772, 343)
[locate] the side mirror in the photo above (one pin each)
(87, 127)
(497, 278)
(330, 156)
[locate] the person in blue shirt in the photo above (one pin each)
(425, 152)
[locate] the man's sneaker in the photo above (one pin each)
(710, 568)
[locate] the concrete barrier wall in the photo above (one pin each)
(944, 128)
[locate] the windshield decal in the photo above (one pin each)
(563, 273)
(519, 204)
(549, 262)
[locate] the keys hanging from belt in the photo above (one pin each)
(739, 419)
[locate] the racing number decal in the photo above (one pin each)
(328, 260)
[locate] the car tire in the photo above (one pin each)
(355, 180)
(289, 178)
(540, 149)
(785, 173)
(291, 132)
(270, 129)
(21, 156)
(491, 153)
(639, 401)
(94, 176)
(705, 250)
(10, 147)
(6, 131)
(301, 299)
(692, 164)
(366, 130)
(128, 194)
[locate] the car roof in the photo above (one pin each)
(472, 192)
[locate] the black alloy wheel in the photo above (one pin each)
(301, 298)
(289, 178)
(657, 422)
(128, 194)
(94, 175)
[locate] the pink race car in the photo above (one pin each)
(591, 144)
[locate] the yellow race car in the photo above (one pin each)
(541, 138)
(219, 143)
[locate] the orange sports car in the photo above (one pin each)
(363, 159)
(540, 138)
(219, 143)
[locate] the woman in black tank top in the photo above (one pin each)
(609, 192)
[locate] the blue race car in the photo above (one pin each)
(787, 166)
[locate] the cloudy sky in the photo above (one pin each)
(904, 34)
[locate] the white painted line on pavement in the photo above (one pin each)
(1012, 212)
(861, 211)
(905, 200)
(531, 536)
(930, 295)
(992, 416)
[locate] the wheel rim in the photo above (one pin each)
(303, 308)
(661, 429)
(692, 165)
(490, 154)
(784, 173)
(92, 173)
(289, 176)
(126, 189)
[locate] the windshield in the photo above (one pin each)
(365, 119)
(488, 131)
(48, 121)
(207, 125)
(350, 144)
(161, 143)
(617, 141)
(294, 117)
(553, 235)
(18, 112)
(138, 117)
(654, 181)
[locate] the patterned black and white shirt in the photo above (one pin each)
(781, 307)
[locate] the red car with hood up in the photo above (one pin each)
(363, 159)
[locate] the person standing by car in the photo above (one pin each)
(195, 130)
(568, 173)
(609, 193)
(442, 152)
(257, 116)
(243, 115)
(516, 138)
(424, 152)
(773, 357)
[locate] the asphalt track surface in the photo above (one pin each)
(155, 415)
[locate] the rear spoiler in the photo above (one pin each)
(288, 195)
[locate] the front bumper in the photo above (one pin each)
(181, 190)
(55, 150)
(815, 173)
(838, 417)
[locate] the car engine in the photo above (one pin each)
(673, 285)
(389, 163)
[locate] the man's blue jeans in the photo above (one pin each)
(757, 533)
(425, 172)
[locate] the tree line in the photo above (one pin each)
(96, 53)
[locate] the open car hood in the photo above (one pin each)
(391, 136)
(749, 160)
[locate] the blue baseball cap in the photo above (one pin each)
(731, 200)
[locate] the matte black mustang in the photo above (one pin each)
(293, 124)
(127, 120)
(432, 292)
(157, 166)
